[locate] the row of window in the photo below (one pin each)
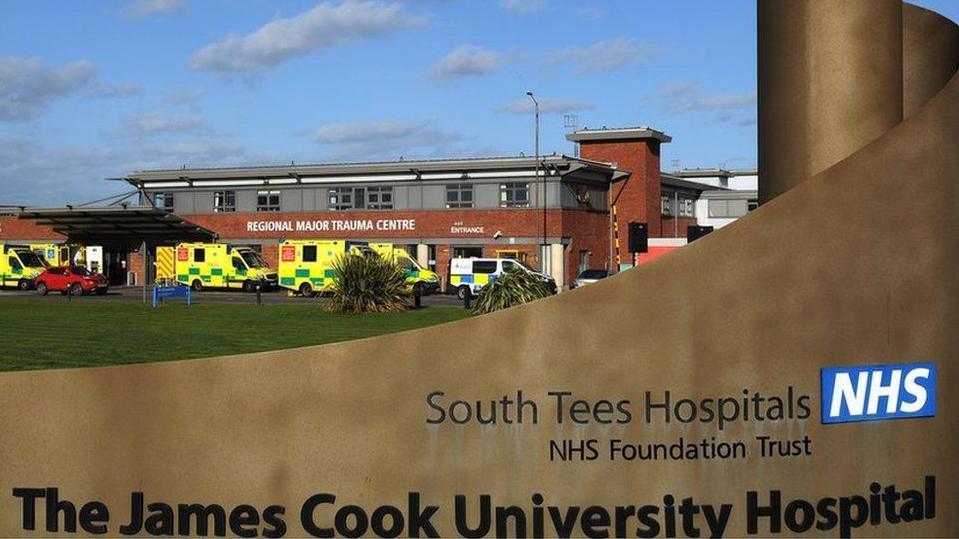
(687, 206)
(458, 195)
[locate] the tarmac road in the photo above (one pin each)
(135, 293)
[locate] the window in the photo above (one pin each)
(728, 208)
(224, 201)
(666, 205)
(459, 195)
(514, 195)
(14, 263)
(309, 253)
(351, 198)
(163, 201)
(486, 266)
(199, 255)
(267, 201)
(687, 207)
(238, 264)
(379, 198)
(510, 265)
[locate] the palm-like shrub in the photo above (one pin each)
(368, 283)
(512, 287)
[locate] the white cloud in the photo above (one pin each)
(601, 56)
(383, 140)
(325, 25)
(183, 96)
(158, 124)
(547, 105)
(28, 85)
(35, 174)
(146, 8)
(467, 60)
(122, 89)
(522, 7)
(689, 97)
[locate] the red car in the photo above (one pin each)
(75, 280)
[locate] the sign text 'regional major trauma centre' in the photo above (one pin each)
(332, 225)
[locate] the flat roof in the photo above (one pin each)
(675, 181)
(619, 133)
(714, 172)
(118, 224)
(371, 171)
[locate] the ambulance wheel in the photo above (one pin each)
(76, 289)
(42, 289)
(197, 285)
(462, 291)
(23, 284)
(249, 287)
(306, 290)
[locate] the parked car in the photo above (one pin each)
(76, 280)
(589, 277)
(470, 275)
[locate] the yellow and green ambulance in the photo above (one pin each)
(64, 254)
(54, 254)
(19, 266)
(214, 265)
(306, 266)
(416, 275)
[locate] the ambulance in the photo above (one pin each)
(306, 266)
(213, 265)
(90, 257)
(470, 275)
(416, 275)
(19, 266)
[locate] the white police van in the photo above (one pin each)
(472, 274)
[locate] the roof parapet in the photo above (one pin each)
(618, 133)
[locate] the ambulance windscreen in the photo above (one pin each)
(253, 259)
(30, 259)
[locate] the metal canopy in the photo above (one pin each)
(117, 224)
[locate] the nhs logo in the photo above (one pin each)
(869, 393)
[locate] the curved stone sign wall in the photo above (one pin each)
(807, 383)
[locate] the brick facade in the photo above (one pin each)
(637, 198)
(13, 229)
(583, 230)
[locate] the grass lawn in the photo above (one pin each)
(51, 335)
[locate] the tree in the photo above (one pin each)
(512, 287)
(368, 283)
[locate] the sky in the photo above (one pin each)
(108, 88)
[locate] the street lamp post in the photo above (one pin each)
(542, 186)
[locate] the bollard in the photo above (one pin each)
(259, 298)
(466, 299)
(417, 295)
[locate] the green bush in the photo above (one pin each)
(512, 287)
(368, 283)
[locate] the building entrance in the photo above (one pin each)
(467, 252)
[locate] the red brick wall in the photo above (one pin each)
(135, 265)
(271, 254)
(638, 197)
(586, 230)
(678, 230)
(13, 229)
(428, 224)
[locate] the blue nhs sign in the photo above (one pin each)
(869, 393)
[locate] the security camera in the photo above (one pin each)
(497, 235)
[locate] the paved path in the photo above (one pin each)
(129, 293)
